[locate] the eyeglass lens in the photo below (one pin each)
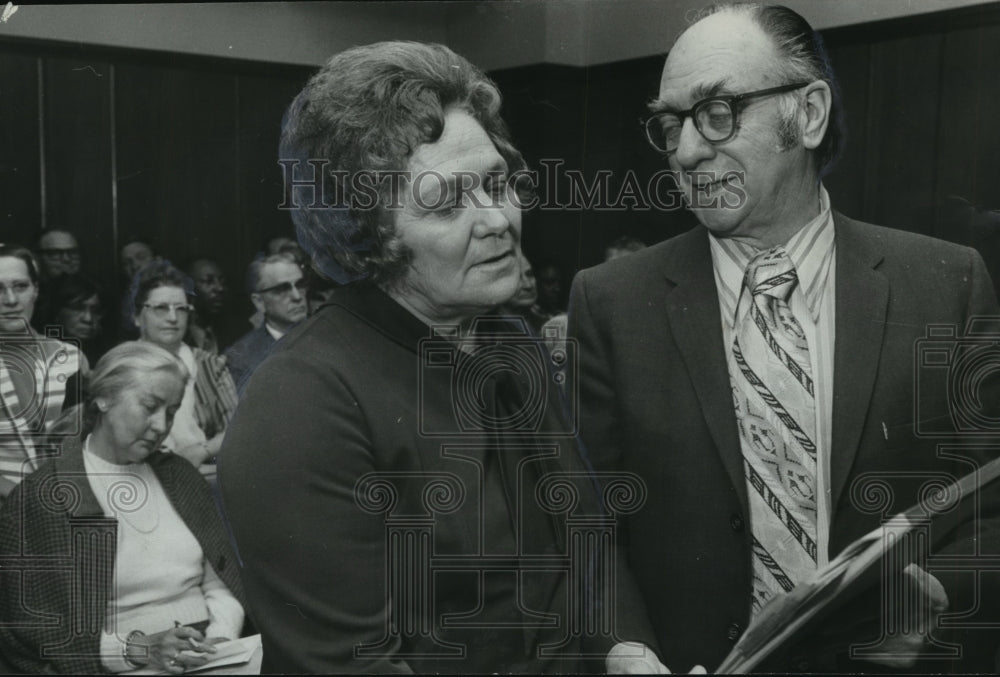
(714, 120)
(163, 309)
(61, 253)
(286, 287)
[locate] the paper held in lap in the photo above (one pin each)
(233, 652)
(784, 616)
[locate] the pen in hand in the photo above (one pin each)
(194, 645)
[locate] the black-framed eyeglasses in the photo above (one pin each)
(716, 118)
(70, 253)
(162, 310)
(285, 288)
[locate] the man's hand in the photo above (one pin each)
(633, 658)
(922, 600)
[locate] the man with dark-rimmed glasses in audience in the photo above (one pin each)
(278, 290)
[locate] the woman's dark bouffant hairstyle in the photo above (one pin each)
(367, 110)
(69, 289)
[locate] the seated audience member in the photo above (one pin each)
(286, 245)
(213, 328)
(160, 583)
(278, 245)
(554, 330)
(336, 403)
(39, 376)
(278, 290)
(59, 253)
(549, 279)
(319, 291)
(162, 311)
(522, 303)
(622, 246)
(134, 256)
(75, 307)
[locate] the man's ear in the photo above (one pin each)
(258, 303)
(815, 113)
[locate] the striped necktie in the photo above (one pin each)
(776, 411)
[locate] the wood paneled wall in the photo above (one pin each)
(114, 144)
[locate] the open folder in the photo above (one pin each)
(781, 621)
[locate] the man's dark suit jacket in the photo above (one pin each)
(244, 356)
(656, 400)
(332, 425)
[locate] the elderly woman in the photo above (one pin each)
(39, 375)
(352, 460)
(162, 312)
(140, 572)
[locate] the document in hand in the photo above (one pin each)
(227, 654)
(783, 618)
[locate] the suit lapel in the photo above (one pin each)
(862, 297)
(695, 322)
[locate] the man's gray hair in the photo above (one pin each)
(256, 268)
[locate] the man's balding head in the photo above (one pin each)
(748, 158)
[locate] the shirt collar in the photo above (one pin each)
(275, 334)
(810, 249)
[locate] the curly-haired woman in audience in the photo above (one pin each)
(139, 570)
(39, 375)
(162, 311)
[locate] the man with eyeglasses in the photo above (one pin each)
(60, 254)
(278, 290)
(758, 372)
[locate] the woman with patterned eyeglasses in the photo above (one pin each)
(162, 311)
(39, 375)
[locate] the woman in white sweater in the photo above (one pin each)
(165, 588)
